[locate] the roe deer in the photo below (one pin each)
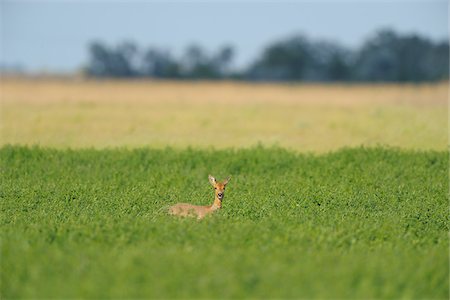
(185, 209)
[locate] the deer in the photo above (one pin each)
(200, 211)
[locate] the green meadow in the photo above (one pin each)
(352, 223)
(346, 195)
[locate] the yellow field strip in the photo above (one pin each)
(304, 117)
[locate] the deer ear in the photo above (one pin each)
(226, 180)
(212, 180)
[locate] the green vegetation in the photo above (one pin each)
(364, 223)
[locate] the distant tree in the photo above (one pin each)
(99, 57)
(125, 60)
(339, 68)
(388, 56)
(284, 60)
(331, 62)
(197, 64)
(376, 60)
(160, 64)
(385, 56)
(222, 60)
(118, 62)
(297, 58)
(437, 62)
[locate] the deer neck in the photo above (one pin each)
(216, 204)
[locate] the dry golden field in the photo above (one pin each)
(304, 117)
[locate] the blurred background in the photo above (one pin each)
(114, 73)
(324, 41)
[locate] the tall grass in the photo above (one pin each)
(358, 223)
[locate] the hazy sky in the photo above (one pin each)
(53, 35)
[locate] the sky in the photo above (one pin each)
(53, 36)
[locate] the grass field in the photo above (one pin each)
(356, 223)
(316, 216)
(319, 118)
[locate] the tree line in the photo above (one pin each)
(385, 57)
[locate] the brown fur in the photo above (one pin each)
(200, 211)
